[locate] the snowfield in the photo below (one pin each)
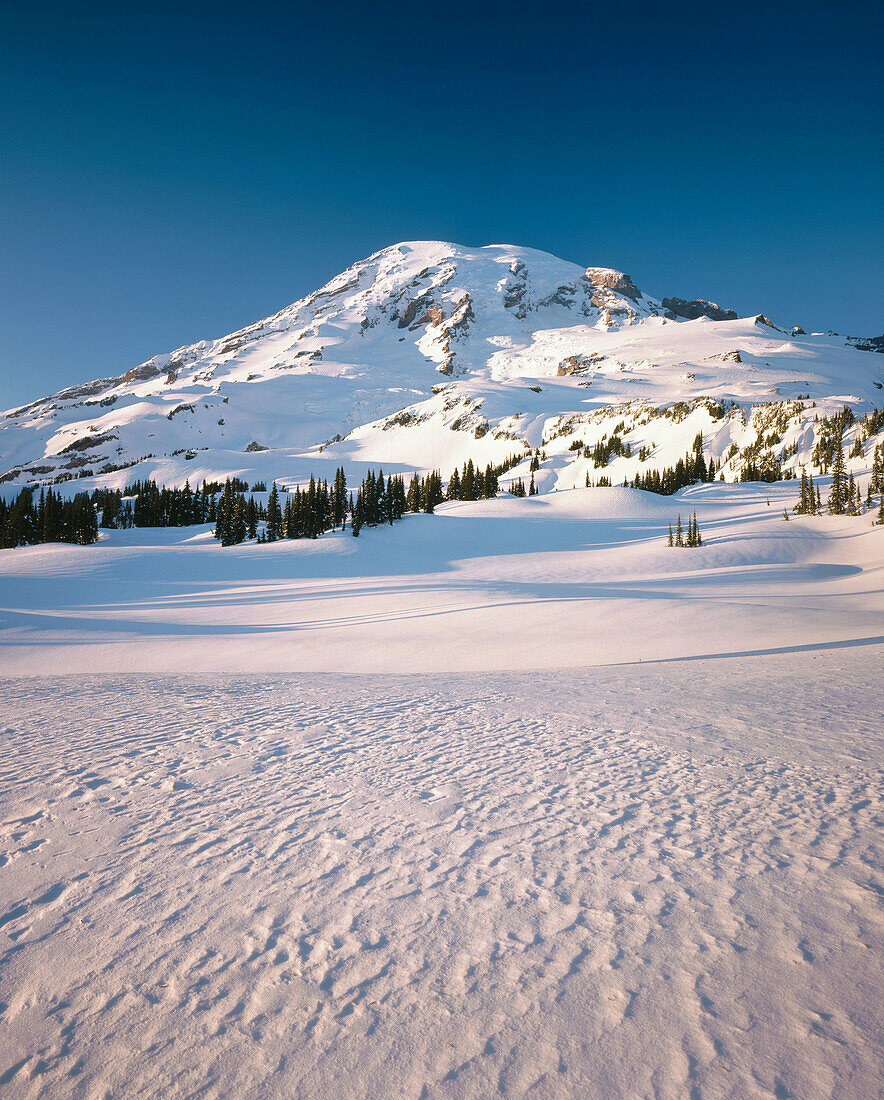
(509, 800)
(568, 579)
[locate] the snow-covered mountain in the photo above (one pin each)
(426, 354)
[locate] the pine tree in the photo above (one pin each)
(852, 496)
(804, 506)
(238, 522)
(671, 543)
(274, 516)
(679, 534)
(838, 494)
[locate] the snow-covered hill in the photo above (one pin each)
(426, 354)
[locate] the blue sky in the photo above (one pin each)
(173, 172)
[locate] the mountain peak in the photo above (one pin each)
(487, 323)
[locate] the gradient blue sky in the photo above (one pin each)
(174, 171)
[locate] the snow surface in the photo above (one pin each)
(509, 800)
(568, 579)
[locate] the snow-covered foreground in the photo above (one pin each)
(280, 830)
(634, 881)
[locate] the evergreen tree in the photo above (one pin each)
(838, 493)
(853, 501)
(238, 526)
(357, 513)
(803, 506)
(274, 516)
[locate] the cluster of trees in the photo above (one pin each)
(844, 496)
(145, 504)
(378, 502)
(809, 503)
(29, 519)
(601, 453)
(686, 471)
(690, 538)
(517, 489)
(307, 513)
(830, 433)
(472, 483)
(236, 519)
(768, 468)
(424, 493)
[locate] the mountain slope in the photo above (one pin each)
(425, 354)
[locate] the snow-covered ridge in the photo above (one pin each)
(422, 355)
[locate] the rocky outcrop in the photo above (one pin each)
(516, 289)
(139, 374)
(696, 307)
(578, 364)
(88, 442)
(871, 343)
(613, 280)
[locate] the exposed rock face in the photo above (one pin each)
(872, 343)
(696, 307)
(139, 374)
(88, 442)
(797, 330)
(515, 290)
(578, 364)
(613, 280)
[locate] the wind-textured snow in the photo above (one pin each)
(641, 859)
(601, 885)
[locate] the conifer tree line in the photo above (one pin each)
(690, 537)
(30, 519)
(687, 471)
(845, 498)
(145, 504)
(305, 513)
